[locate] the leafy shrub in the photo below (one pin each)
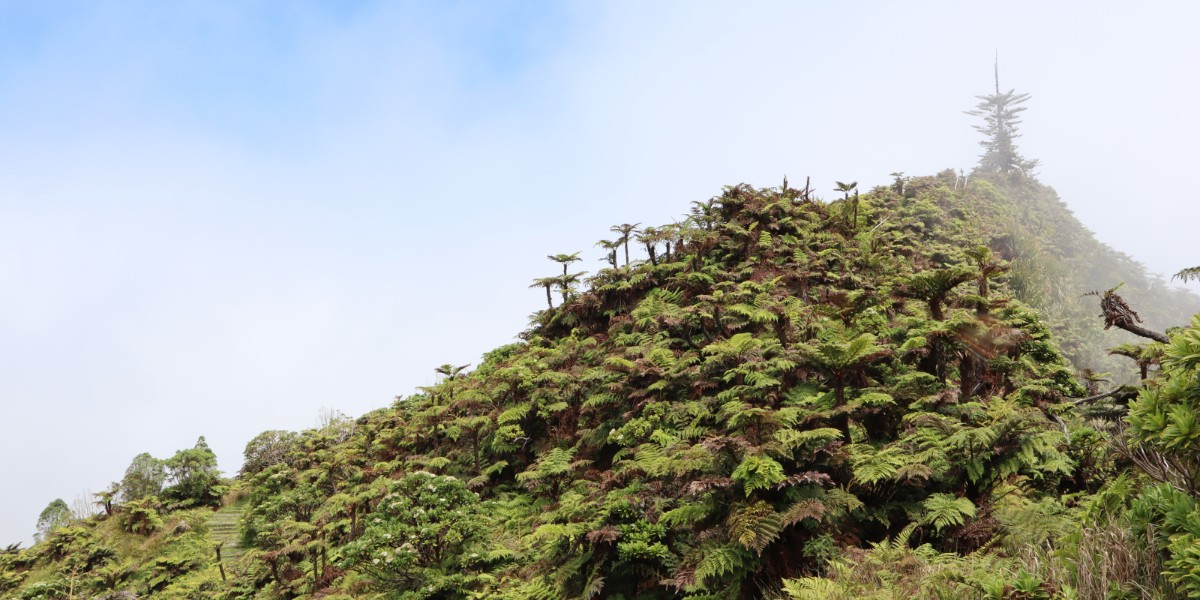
(421, 538)
(1164, 431)
(141, 516)
(45, 590)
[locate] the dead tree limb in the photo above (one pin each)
(1118, 314)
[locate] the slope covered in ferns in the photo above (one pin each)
(777, 381)
(1056, 261)
(784, 376)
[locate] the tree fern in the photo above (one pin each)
(723, 561)
(755, 526)
(687, 513)
(872, 465)
(804, 509)
(758, 472)
(514, 413)
(813, 588)
(792, 440)
(1188, 274)
(945, 510)
(594, 587)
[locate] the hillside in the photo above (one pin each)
(771, 398)
(1055, 261)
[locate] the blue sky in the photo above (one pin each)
(217, 218)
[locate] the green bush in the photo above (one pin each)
(421, 539)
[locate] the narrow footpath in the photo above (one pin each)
(223, 528)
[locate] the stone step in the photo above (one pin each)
(223, 529)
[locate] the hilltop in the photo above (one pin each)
(755, 398)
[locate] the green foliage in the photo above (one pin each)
(195, 480)
(1165, 442)
(422, 539)
(758, 472)
(642, 541)
(45, 590)
(55, 515)
(1164, 416)
(943, 510)
(781, 398)
(1188, 274)
(144, 477)
(755, 526)
(267, 449)
(141, 516)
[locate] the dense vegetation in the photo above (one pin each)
(871, 397)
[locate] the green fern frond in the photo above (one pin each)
(722, 561)
(810, 438)
(514, 413)
(812, 588)
(804, 509)
(601, 399)
(945, 510)
(1188, 274)
(686, 514)
(758, 472)
(873, 465)
(594, 586)
(754, 527)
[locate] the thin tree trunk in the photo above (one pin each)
(475, 450)
(316, 573)
(939, 359)
(966, 377)
(935, 310)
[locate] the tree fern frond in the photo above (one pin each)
(758, 472)
(723, 560)
(874, 465)
(1188, 274)
(686, 514)
(804, 509)
(812, 588)
(594, 586)
(514, 413)
(944, 510)
(754, 527)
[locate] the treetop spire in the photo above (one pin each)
(1000, 112)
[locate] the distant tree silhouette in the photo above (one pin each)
(548, 283)
(56, 514)
(1000, 112)
(626, 230)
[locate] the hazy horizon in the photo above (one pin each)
(217, 219)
